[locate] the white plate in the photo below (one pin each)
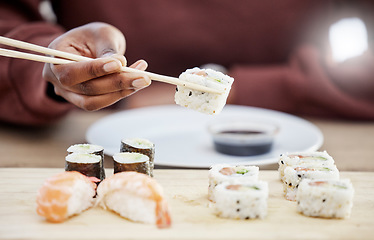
(182, 139)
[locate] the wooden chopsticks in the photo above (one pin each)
(65, 58)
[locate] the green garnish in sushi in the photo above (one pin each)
(140, 143)
(242, 171)
(255, 188)
(247, 187)
(339, 186)
(321, 158)
(137, 157)
(308, 157)
(214, 79)
(325, 169)
(85, 146)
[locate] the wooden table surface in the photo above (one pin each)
(192, 214)
(350, 143)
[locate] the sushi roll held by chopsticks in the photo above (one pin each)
(210, 103)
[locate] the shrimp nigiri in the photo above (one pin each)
(135, 196)
(64, 195)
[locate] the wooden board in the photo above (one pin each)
(192, 213)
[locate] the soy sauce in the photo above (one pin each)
(242, 149)
(246, 132)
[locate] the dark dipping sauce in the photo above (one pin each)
(241, 132)
(243, 148)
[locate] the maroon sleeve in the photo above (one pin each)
(23, 92)
(306, 86)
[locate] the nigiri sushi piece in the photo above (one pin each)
(64, 195)
(135, 196)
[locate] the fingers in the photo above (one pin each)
(117, 56)
(93, 103)
(95, 84)
(112, 83)
(102, 91)
(140, 64)
(75, 73)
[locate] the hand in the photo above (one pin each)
(95, 84)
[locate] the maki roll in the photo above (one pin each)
(140, 145)
(86, 148)
(291, 159)
(127, 161)
(295, 174)
(210, 103)
(242, 200)
(91, 149)
(325, 198)
(227, 173)
(85, 163)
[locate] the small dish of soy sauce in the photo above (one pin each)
(242, 138)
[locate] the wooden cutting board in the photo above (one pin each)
(192, 213)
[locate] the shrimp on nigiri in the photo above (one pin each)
(135, 196)
(64, 195)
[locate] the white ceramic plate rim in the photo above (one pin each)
(162, 123)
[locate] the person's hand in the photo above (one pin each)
(92, 85)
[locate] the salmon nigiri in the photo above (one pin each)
(64, 195)
(135, 196)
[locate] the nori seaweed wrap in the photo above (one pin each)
(127, 161)
(85, 163)
(90, 149)
(142, 146)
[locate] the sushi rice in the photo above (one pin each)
(242, 200)
(210, 103)
(291, 159)
(131, 161)
(140, 145)
(135, 196)
(325, 198)
(85, 163)
(295, 174)
(220, 173)
(85, 148)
